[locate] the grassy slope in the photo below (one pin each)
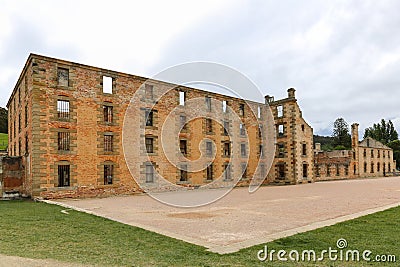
(3, 141)
(38, 230)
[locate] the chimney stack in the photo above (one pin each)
(291, 92)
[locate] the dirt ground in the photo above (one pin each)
(241, 219)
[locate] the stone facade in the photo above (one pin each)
(367, 158)
(294, 156)
(67, 122)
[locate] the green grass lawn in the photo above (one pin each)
(39, 230)
(3, 141)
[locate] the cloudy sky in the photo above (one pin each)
(343, 57)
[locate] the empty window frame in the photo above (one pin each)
(148, 91)
(209, 149)
(227, 149)
(365, 167)
(226, 127)
(210, 172)
(107, 85)
(304, 149)
(379, 154)
(63, 109)
(243, 151)
(317, 170)
(227, 172)
(63, 141)
(328, 170)
(281, 171)
(209, 126)
(149, 172)
(183, 146)
(365, 152)
(63, 175)
(281, 130)
(224, 106)
(149, 142)
(183, 173)
(108, 143)
(281, 150)
(208, 103)
(26, 115)
(63, 77)
(108, 174)
(378, 167)
(305, 170)
(182, 121)
(372, 167)
(279, 111)
(19, 123)
(346, 170)
(241, 109)
(337, 170)
(149, 117)
(372, 153)
(182, 98)
(108, 113)
(242, 129)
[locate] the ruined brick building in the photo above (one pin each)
(367, 158)
(66, 121)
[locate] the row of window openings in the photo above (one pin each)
(64, 175)
(379, 153)
(183, 173)
(20, 147)
(328, 170)
(182, 100)
(149, 143)
(378, 167)
(14, 105)
(108, 173)
(64, 142)
(63, 80)
(13, 129)
(63, 111)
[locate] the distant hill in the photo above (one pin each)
(325, 141)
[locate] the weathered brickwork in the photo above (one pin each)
(367, 158)
(294, 159)
(70, 133)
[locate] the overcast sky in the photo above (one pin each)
(343, 57)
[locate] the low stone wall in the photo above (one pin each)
(12, 176)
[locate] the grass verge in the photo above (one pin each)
(39, 230)
(3, 141)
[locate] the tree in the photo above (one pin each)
(382, 132)
(395, 145)
(3, 120)
(341, 134)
